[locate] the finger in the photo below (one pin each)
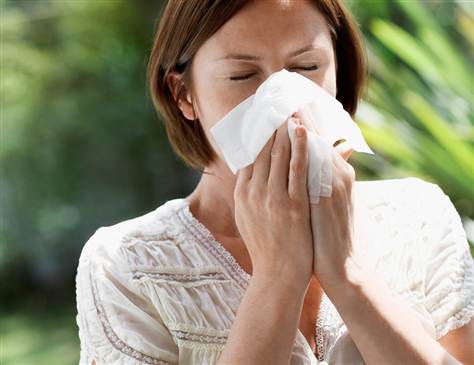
(297, 182)
(280, 161)
(243, 176)
(306, 118)
(261, 166)
(340, 163)
(344, 149)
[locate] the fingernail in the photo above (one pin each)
(299, 131)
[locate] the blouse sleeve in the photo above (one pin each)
(117, 323)
(449, 268)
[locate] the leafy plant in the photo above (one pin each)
(418, 113)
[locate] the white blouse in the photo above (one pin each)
(160, 289)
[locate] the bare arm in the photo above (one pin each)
(265, 327)
(272, 214)
(382, 326)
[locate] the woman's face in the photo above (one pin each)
(262, 38)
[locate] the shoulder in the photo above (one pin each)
(396, 189)
(406, 220)
(116, 317)
(410, 214)
(401, 204)
(123, 243)
(425, 250)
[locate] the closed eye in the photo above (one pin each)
(246, 77)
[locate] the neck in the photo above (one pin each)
(212, 201)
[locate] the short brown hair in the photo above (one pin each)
(185, 25)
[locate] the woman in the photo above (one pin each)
(393, 280)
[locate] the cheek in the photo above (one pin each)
(327, 79)
(213, 105)
(329, 84)
(215, 98)
(221, 101)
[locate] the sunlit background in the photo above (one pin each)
(81, 146)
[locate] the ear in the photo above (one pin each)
(184, 103)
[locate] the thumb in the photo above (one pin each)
(345, 150)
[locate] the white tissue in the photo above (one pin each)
(243, 132)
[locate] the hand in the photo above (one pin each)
(332, 220)
(272, 209)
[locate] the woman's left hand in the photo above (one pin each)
(332, 222)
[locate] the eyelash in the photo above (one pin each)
(246, 77)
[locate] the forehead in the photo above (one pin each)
(271, 26)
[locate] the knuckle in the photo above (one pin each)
(339, 185)
(285, 147)
(299, 202)
(240, 192)
(349, 175)
(273, 202)
(254, 194)
(297, 168)
(276, 150)
(296, 212)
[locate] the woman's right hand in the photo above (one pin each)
(272, 210)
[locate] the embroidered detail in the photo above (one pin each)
(462, 286)
(139, 237)
(464, 274)
(458, 320)
(180, 277)
(112, 336)
(182, 335)
(205, 237)
(205, 331)
(320, 337)
(202, 234)
(334, 337)
(329, 327)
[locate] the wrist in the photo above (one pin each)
(347, 289)
(352, 276)
(355, 273)
(288, 281)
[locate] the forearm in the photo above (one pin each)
(265, 326)
(382, 326)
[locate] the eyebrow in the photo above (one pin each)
(247, 57)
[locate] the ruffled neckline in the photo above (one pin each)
(205, 237)
(217, 249)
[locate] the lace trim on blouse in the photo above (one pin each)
(205, 237)
(329, 327)
(319, 337)
(182, 335)
(180, 277)
(466, 280)
(112, 336)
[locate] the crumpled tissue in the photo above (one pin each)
(243, 132)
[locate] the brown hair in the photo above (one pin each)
(185, 25)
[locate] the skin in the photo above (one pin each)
(270, 189)
(294, 27)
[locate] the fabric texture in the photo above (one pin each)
(160, 289)
(243, 132)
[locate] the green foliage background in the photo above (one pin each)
(81, 146)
